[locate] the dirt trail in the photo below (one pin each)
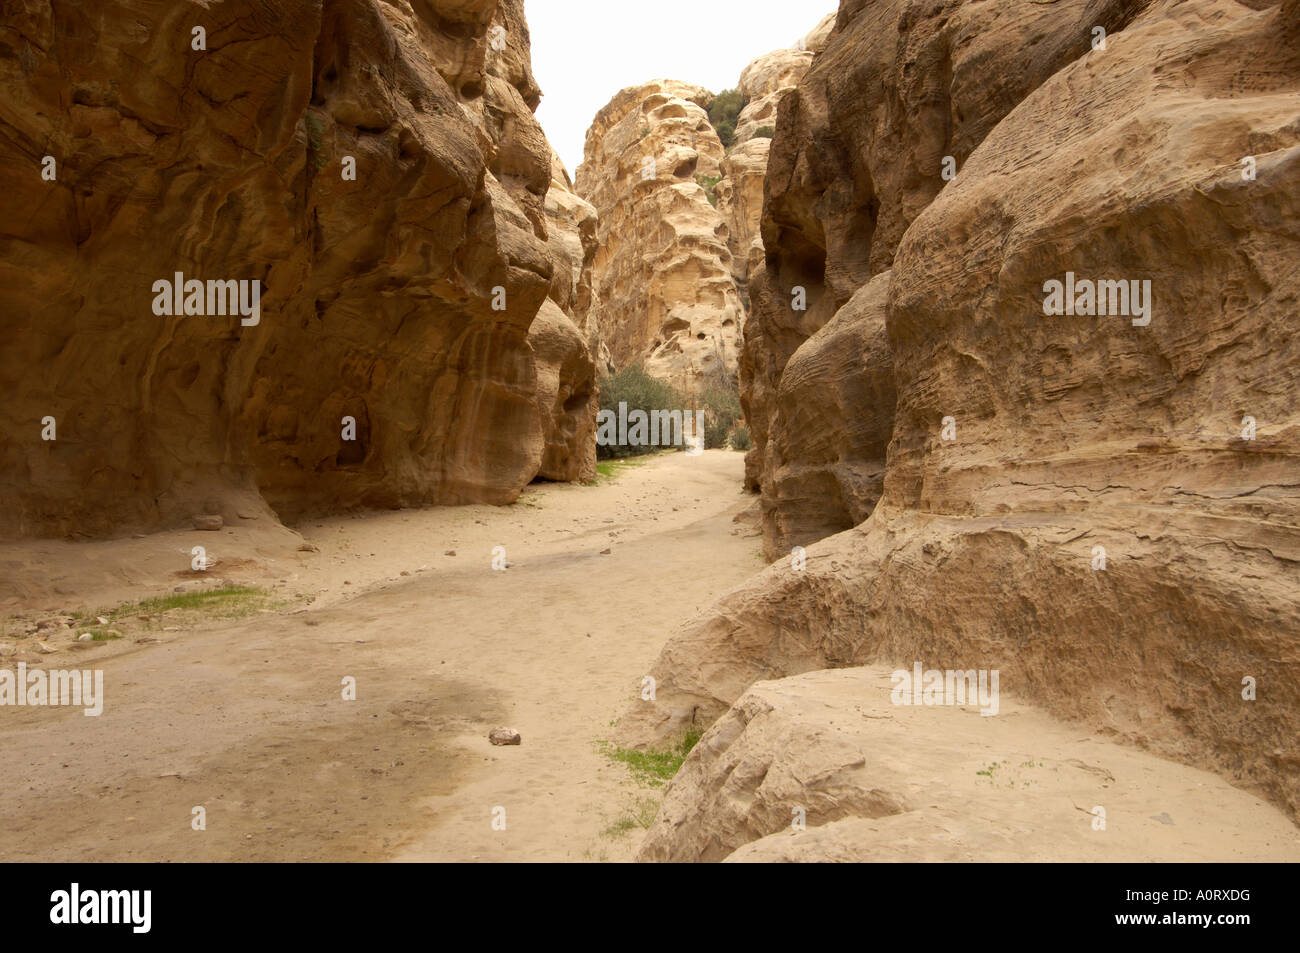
(247, 720)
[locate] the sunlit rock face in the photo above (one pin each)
(663, 284)
(374, 166)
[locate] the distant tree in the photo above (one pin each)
(724, 109)
(634, 387)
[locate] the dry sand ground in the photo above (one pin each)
(246, 718)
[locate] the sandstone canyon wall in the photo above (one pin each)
(222, 157)
(1102, 507)
(666, 250)
(763, 84)
(666, 298)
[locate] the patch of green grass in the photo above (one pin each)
(227, 602)
(642, 816)
(1005, 772)
(654, 767)
(237, 597)
(609, 469)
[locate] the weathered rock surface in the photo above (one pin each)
(666, 250)
(226, 163)
(860, 150)
(834, 416)
(564, 338)
(572, 231)
(665, 296)
(868, 780)
(1098, 529)
(740, 202)
(565, 395)
(765, 82)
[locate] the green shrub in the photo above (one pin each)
(710, 185)
(721, 406)
(723, 112)
(634, 387)
(764, 132)
(740, 439)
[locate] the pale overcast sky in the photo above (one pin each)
(585, 51)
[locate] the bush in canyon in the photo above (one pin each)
(721, 406)
(724, 110)
(709, 183)
(634, 387)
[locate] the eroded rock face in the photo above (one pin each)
(665, 295)
(764, 83)
(740, 202)
(824, 767)
(1067, 499)
(860, 150)
(834, 416)
(227, 163)
(566, 396)
(572, 231)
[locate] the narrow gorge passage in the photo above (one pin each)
(517, 431)
(246, 718)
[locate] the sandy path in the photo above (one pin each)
(247, 720)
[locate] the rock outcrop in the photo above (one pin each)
(822, 767)
(665, 295)
(565, 338)
(832, 420)
(667, 248)
(860, 151)
(572, 230)
(1102, 506)
(219, 143)
(740, 202)
(765, 81)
